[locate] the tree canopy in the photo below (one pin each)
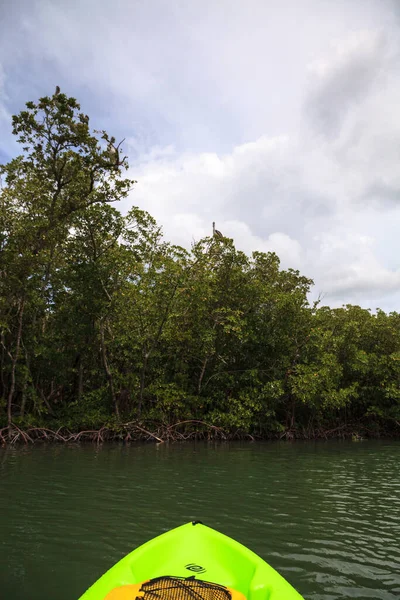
(106, 327)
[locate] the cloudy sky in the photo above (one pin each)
(278, 119)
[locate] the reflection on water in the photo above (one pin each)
(327, 516)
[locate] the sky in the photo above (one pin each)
(277, 119)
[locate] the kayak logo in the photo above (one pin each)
(195, 568)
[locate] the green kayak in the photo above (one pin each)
(191, 562)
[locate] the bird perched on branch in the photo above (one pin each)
(216, 233)
(113, 153)
(111, 150)
(57, 90)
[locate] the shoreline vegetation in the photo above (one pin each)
(108, 332)
(192, 431)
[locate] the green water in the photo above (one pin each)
(326, 515)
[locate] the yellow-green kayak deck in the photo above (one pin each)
(194, 550)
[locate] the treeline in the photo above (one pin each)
(108, 331)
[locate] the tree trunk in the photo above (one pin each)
(107, 369)
(293, 417)
(2, 382)
(80, 380)
(142, 382)
(46, 400)
(23, 402)
(78, 377)
(203, 370)
(25, 386)
(205, 362)
(14, 364)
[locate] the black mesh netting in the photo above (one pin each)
(180, 588)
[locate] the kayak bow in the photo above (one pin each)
(191, 562)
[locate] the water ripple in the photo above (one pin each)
(327, 516)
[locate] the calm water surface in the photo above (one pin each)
(326, 516)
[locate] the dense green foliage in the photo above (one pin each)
(102, 322)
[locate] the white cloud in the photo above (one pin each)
(349, 265)
(279, 120)
(341, 82)
(322, 204)
(207, 75)
(4, 115)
